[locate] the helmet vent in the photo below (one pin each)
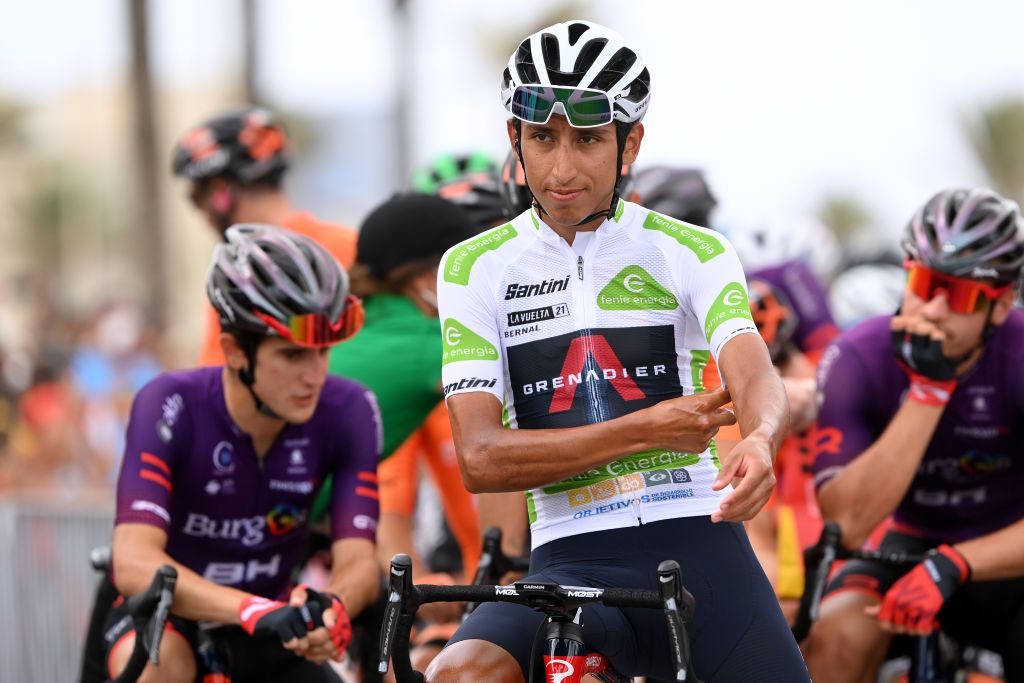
(575, 31)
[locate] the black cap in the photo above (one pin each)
(410, 227)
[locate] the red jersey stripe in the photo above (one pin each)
(156, 462)
(153, 476)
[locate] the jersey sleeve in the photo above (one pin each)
(211, 353)
(355, 501)
(471, 357)
(844, 398)
(399, 476)
(158, 429)
(718, 298)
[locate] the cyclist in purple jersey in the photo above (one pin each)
(922, 418)
(222, 466)
(816, 328)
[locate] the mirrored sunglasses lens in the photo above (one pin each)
(588, 109)
(532, 103)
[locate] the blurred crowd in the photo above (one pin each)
(64, 403)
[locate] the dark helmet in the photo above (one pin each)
(408, 228)
(247, 145)
(681, 193)
(469, 181)
(774, 316)
(972, 233)
(267, 281)
(514, 193)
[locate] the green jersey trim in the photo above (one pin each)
(462, 343)
(704, 246)
(462, 257)
(634, 289)
(731, 303)
(637, 463)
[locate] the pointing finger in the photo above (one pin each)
(722, 417)
(716, 398)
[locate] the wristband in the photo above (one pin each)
(930, 392)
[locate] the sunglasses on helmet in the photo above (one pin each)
(583, 107)
(315, 330)
(963, 295)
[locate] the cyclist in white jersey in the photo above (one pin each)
(585, 324)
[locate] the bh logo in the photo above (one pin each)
(283, 519)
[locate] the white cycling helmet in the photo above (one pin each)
(864, 291)
(581, 54)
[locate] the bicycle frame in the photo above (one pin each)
(552, 600)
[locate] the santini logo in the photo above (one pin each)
(518, 291)
(469, 383)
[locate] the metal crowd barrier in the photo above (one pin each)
(46, 583)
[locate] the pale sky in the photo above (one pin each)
(782, 102)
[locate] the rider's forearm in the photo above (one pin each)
(506, 511)
(356, 582)
(999, 555)
(870, 488)
(761, 407)
(394, 535)
(194, 597)
(500, 459)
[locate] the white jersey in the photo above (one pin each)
(565, 336)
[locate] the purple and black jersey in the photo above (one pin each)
(231, 517)
(970, 480)
(816, 327)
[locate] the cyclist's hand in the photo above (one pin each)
(913, 602)
(332, 639)
(260, 616)
(749, 467)
(688, 423)
(917, 345)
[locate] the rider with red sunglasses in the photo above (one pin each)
(221, 466)
(922, 418)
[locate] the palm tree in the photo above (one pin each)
(996, 134)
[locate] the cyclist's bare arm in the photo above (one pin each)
(355, 574)
(506, 511)
(493, 458)
(857, 498)
(999, 555)
(139, 549)
(763, 415)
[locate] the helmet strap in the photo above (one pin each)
(621, 133)
(247, 376)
